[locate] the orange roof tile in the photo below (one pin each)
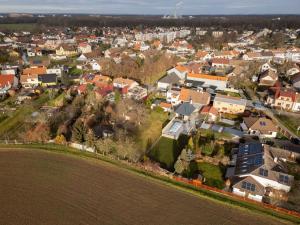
(181, 68)
(206, 76)
(165, 105)
(34, 70)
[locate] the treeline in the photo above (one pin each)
(239, 22)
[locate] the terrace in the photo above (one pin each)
(176, 127)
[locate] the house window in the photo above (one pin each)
(248, 186)
(263, 172)
(283, 179)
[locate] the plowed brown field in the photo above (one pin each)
(39, 187)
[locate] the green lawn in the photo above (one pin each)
(14, 121)
(58, 101)
(217, 135)
(167, 150)
(213, 174)
(291, 122)
(150, 132)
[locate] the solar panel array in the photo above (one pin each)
(250, 157)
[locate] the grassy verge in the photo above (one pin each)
(181, 186)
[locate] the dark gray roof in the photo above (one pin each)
(170, 79)
(249, 158)
(185, 109)
(47, 78)
(194, 83)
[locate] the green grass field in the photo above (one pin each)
(167, 150)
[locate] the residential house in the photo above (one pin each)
(282, 99)
(228, 104)
(215, 82)
(47, 80)
(84, 48)
(168, 81)
(29, 77)
(220, 63)
(226, 54)
(196, 98)
(258, 172)
(250, 56)
(259, 126)
(209, 112)
(180, 70)
(55, 70)
(137, 93)
(29, 80)
(124, 84)
(173, 96)
(203, 56)
(66, 50)
(185, 111)
(167, 107)
(7, 82)
(268, 78)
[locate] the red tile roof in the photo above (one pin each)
(6, 80)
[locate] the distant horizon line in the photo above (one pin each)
(131, 14)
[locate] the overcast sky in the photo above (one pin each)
(153, 6)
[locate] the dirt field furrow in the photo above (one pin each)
(39, 187)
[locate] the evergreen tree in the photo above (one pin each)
(79, 132)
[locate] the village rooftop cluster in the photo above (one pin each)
(217, 105)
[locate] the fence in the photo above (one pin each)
(198, 184)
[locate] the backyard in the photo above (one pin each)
(213, 174)
(152, 130)
(166, 151)
(291, 122)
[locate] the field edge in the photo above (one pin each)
(213, 196)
